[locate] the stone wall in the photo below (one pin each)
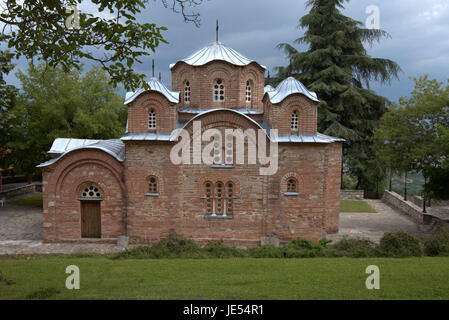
(395, 200)
(8, 194)
(351, 194)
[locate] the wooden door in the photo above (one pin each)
(90, 219)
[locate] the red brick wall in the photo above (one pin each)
(138, 111)
(202, 80)
(279, 115)
(261, 209)
(62, 185)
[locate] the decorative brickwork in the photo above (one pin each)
(146, 197)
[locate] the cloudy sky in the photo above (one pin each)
(419, 31)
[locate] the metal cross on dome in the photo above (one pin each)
(217, 31)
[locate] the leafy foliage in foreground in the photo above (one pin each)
(394, 244)
(108, 32)
(437, 244)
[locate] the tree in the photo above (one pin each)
(59, 104)
(394, 141)
(337, 67)
(57, 32)
(7, 98)
(415, 135)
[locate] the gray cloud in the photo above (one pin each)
(419, 30)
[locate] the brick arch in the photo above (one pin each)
(81, 186)
(224, 116)
(160, 181)
(299, 182)
(307, 112)
(218, 178)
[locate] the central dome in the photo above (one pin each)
(216, 51)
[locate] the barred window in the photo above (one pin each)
(219, 200)
(219, 91)
(91, 192)
(152, 120)
(294, 121)
(152, 185)
(209, 199)
(248, 91)
(230, 194)
(187, 92)
(291, 185)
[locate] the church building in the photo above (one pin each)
(100, 190)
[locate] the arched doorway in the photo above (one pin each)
(90, 212)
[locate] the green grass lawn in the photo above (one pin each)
(319, 278)
(355, 206)
(34, 201)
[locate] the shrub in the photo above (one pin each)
(438, 243)
(354, 248)
(399, 244)
(266, 251)
(173, 247)
(218, 249)
(302, 248)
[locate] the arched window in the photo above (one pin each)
(209, 199)
(187, 92)
(219, 91)
(291, 186)
(152, 120)
(152, 185)
(219, 199)
(248, 91)
(294, 123)
(91, 192)
(220, 202)
(230, 195)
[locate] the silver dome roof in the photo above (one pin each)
(288, 87)
(155, 85)
(216, 51)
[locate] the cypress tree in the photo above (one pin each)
(338, 68)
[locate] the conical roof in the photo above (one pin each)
(216, 51)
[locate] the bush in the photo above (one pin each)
(266, 251)
(354, 248)
(438, 243)
(399, 244)
(218, 249)
(173, 247)
(302, 248)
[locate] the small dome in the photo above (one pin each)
(268, 88)
(216, 51)
(288, 87)
(155, 85)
